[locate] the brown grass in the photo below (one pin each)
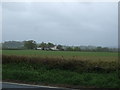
(74, 64)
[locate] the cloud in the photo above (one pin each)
(63, 23)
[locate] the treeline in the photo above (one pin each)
(31, 44)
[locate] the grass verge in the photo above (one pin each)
(42, 74)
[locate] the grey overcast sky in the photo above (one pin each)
(83, 23)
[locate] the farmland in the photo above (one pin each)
(93, 56)
(43, 67)
(57, 53)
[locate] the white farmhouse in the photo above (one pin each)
(39, 48)
(54, 48)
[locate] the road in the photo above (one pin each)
(16, 85)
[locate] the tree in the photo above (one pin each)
(12, 45)
(99, 48)
(69, 49)
(31, 44)
(49, 45)
(77, 49)
(106, 49)
(59, 47)
(43, 45)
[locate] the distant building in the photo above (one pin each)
(54, 48)
(39, 48)
(51, 48)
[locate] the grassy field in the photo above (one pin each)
(57, 53)
(100, 56)
(75, 69)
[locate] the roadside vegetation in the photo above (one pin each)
(37, 74)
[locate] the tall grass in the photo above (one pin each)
(26, 73)
(74, 64)
(96, 69)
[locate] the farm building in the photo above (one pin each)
(46, 48)
(54, 48)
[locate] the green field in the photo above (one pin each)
(65, 68)
(104, 56)
(57, 53)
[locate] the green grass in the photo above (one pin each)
(27, 72)
(57, 53)
(61, 67)
(93, 56)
